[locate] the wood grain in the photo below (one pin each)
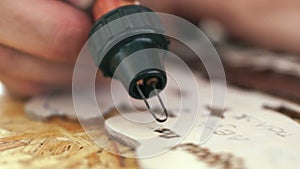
(58, 143)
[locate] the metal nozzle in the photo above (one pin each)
(165, 113)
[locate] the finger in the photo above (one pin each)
(81, 4)
(192, 9)
(52, 30)
(24, 66)
(24, 88)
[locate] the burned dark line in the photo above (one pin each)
(284, 110)
(217, 112)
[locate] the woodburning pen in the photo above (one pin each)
(112, 45)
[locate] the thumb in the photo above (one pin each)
(81, 4)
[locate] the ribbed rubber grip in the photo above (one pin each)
(104, 36)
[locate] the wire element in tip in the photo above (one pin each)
(165, 113)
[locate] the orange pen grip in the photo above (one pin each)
(102, 7)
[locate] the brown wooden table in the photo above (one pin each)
(58, 143)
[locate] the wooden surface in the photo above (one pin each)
(58, 143)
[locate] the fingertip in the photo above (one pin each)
(52, 30)
(70, 34)
(23, 89)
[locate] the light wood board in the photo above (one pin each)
(57, 143)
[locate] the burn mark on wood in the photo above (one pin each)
(161, 130)
(284, 110)
(217, 112)
(124, 108)
(166, 133)
(171, 114)
(220, 160)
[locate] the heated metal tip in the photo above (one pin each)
(164, 114)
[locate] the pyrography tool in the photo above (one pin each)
(113, 50)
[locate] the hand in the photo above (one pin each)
(274, 24)
(39, 43)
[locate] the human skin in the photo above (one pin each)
(273, 24)
(39, 43)
(40, 39)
